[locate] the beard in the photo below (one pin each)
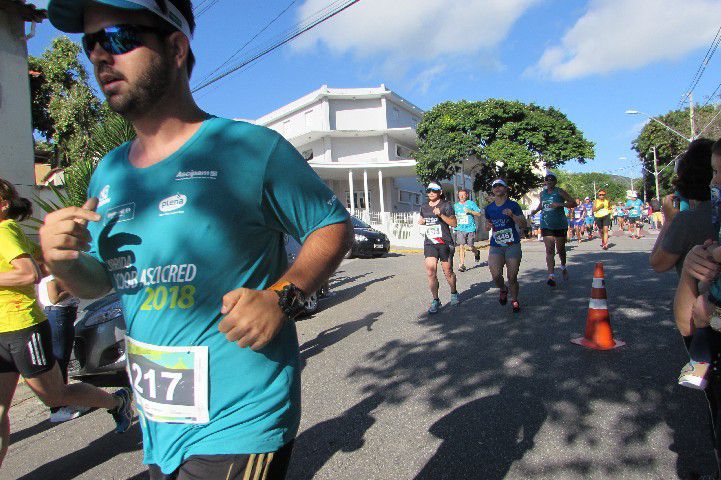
(149, 89)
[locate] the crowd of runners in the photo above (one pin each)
(210, 324)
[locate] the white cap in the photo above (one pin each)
(499, 182)
(434, 186)
(634, 195)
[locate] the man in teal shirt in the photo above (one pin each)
(633, 205)
(466, 213)
(187, 225)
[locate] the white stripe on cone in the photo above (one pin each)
(597, 304)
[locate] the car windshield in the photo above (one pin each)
(357, 223)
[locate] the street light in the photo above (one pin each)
(636, 112)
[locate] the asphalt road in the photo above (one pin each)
(474, 392)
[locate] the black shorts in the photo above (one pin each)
(28, 351)
(603, 221)
(261, 466)
(634, 220)
(552, 232)
(441, 251)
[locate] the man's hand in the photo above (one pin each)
(668, 208)
(699, 262)
(421, 221)
(437, 212)
(65, 234)
(557, 205)
(252, 317)
(508, 212)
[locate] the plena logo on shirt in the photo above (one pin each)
(173, 203)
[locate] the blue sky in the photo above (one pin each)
(593, 60)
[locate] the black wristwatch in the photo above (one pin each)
(291, 299)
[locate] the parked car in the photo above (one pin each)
(99, 346)
(368, 242)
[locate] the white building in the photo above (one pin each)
(16, 138)
(359, 141)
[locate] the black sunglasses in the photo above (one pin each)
(118, 39)
(429, 190)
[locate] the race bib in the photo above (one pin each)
(433, 232)
(503, 237)
(462, 219)
(170, 383)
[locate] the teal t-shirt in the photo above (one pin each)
(552, 218)
(634, 207)
(466, 221)
(177, 236)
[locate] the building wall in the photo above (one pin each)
(16, 141)
(318, 148)
(305, 120)
(356, 150)
(393, 150)
(397, 116)
(359, 114)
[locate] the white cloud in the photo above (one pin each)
(407, 31)
(627, 34)
(426, 77)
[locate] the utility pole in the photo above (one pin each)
(655, 174)
(693, 127)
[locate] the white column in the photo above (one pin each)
(365, 191)
(380, 190)
(350, 191)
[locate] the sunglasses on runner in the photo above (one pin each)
(118, 39)
(429, 190)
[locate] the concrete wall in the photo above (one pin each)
(16, 140)
(398, 116)
(305, 120)
(357, 150)
(356, 114)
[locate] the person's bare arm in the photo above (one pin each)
(660, 259)
(253, 317)
(24, 272)
(570, 202)
(64, 237)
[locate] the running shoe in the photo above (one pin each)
(478, 256)
(462, 268)
(123, 415)
(63, 414)
(503, 297)
(551, 281)
(693, 375)
(516, 306)
(604, 246)
(454, 299)
(435, 305)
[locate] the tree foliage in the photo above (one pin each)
(513, 140)
(64, 106)
(670, 145)
(580, 185)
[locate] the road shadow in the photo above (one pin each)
(342, 295)
(541, 377)
(345, 433)
(95, 453)
(335, 334)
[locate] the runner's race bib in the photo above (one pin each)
(462, 219)
(503, 237)
(433, 232)
(170, 383)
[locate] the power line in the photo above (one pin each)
(702, 68)
(208, 7)
(289, 37)
(267, 26)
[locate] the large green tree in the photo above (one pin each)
(581, 185)
(514, 140)
(64, 106)
(670, 145)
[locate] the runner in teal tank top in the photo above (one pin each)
(554, 224)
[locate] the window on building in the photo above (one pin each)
(359, 199)
(285, 127)
(307, 154)
(396, 113)
(403, 152)
(309, 119)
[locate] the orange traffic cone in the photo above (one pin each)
(599, 334)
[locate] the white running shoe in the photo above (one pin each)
(63, 414)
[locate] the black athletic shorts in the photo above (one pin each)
(441, 251)
(603, 221)
(28, 351)
(636, 220)
(551, 232)
(260, 466)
